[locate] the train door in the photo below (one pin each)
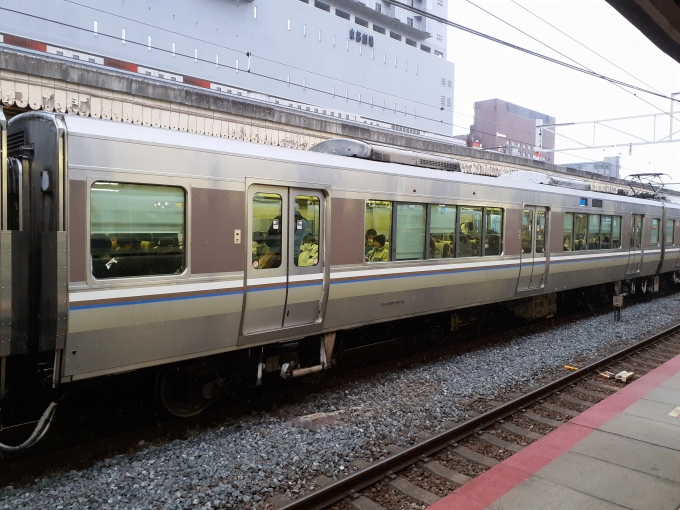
(533, 262)
(287, 258)
(635, 251)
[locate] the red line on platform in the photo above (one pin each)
(501, 479)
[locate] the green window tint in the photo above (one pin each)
(568, 240)
(527, 230)
(378, 225)
(655, 231)
(410, 232)
(442, 231)
(306, 233)
(580, 231)
(616, 232)
(267, 231)
(470, 238)
(594, 232)
(670, 232)
(493, 221)
(606, 233)
(136, 230)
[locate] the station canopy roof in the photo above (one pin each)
(658, 20)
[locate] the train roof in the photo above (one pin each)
(88, 127)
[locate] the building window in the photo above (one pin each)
(425, 48)
(322, 6)
(438, 54)
(341, 13)
(409, 22)
(394, 35)
(360, 21)
(411, 42)
(136, 230)
(379, 29)
(378, 7)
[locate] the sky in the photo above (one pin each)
(486, 70)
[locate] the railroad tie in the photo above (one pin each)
(574, 400)
(561, 410)
(497, 441)
(542, 419)
(449, 475)
(589, 393)
(603, 386)
(414, 492)
(468, 454)
(520, 431)
(363, 503)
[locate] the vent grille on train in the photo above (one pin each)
(14, 142)
(444, 165)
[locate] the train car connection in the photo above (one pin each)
(131, 247)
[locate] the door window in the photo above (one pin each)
(655, 231)
(267, 231)
(540, 231)
(638, 231)
(494, 230)
(616, 232)
(670, 230)
(307, 228)
(527, 226)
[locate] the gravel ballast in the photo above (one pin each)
(265, 454)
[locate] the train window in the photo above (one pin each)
(616, 232)
(540, 231)
(670, 232)
(655, 231)
(606, 233)
(493, 226)
(267, 230)
(409, 232)
(594, 232)
(307, 226)
(470, 237)
(442, 231)
(136, 230)
(568, 231)
(378, 224)
(580, 232)
(527, 226)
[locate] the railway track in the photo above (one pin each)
(79, 437)
(425, 472)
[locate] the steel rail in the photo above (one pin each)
(350, 484)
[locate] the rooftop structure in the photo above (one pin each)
(610, 166)
(511, 128)
(372, 63)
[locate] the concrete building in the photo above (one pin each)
(367, 62)
(510, 128)
(610, 166)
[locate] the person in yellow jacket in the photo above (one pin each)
(379, 253)
(309, 252)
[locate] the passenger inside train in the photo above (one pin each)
(309, 252)
(379, 253)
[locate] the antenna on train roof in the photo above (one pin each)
(647, 185)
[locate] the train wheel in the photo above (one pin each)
(180, 391)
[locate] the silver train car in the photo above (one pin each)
(127, 247)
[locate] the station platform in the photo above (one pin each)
(623, 452)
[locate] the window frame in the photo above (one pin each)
(151, 180)
(601, 214)
(428, 217)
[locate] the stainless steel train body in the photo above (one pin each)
(218, 300)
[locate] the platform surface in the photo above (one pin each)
(622, 453)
